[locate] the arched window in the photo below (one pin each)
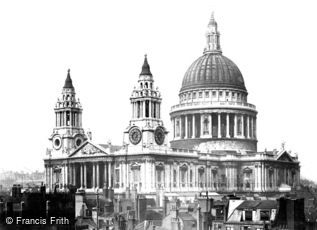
(146, 85)
(191, 178)
(247, 177)
(141, 85)
(151, 85)
(183, 170)
(201, 177)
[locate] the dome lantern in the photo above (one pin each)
(212, 36)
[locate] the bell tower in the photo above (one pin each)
(68, 133)
(146, 129)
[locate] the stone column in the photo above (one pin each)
(255, 177)
(242, 126)
(180, 127)
(201, 125)
(153, 174)
(186, 127)
(210, 125)
(85, 175)
(109, 175)
(174, 128)
(252, 131)
(143, 108)
(235, 133)
(50, 182)
(262, 178)
(98, 178)
(248, 127)
(81, 176)
(219, 125)
(66, 175)
(259, 177)
(254, 124)
(227, 126)
(93, 175)
(74, 175)
(265, 178)
(194, 128)
(105, 178)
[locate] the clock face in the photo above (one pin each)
(57, 142)
(135, 135)
(159, 135)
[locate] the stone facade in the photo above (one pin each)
(213, 147)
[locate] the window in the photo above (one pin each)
(213, 93)
(206, 124)
(248, 215)
(233, 94)
(194, 95)
(174, 177)
(227, 94)
(200, 94)
(220, 94)
(207, 94)
(183, 174)
(264, 215)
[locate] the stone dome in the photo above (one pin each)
(213, 70)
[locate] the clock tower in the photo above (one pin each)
(146, 130)
(68, 133)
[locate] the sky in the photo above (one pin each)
(103, 43)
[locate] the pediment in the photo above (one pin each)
(88, 149)
(284, 156)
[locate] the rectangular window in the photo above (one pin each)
(227, 94)
(213, 93)
(233, 94)
(220, 94)
(200, 94)
(207, 94)
(194, 95)
(248, 215)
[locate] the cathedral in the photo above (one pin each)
(213, 145)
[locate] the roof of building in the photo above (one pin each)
(113, 148)
(152, 215)
(213, 70)
(258, 204)
(68, 81)
(146, 67)
(186, 216)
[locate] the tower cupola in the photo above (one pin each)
(146, 127)
(68, 133)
